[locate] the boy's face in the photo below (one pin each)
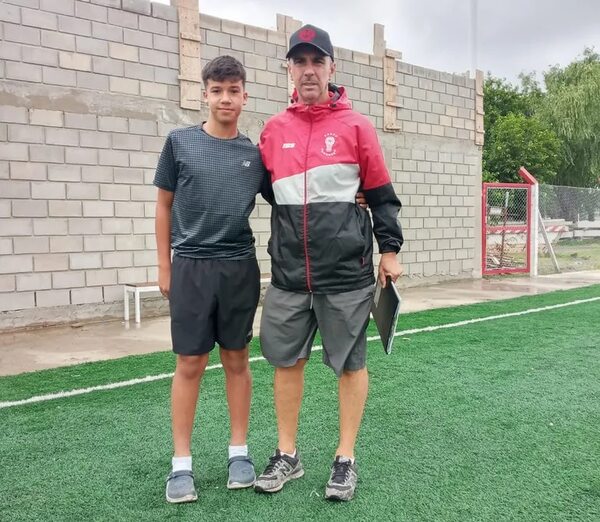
(311, 71)
(225, 100)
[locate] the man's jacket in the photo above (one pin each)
(318, 157)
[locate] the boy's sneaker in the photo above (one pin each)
(280, 469)
(342, 481)
(180, 487)
(241, 472)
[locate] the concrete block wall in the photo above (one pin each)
(90, 89)
(437, 173)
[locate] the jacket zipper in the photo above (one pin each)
(305, 212)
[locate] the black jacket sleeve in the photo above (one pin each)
(385, 205)
(266, 189)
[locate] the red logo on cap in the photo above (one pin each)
(307, 35)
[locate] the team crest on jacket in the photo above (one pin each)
(329, 144)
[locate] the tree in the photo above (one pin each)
(572, 109)
(513, 136)
(516, 140)
(501, 98)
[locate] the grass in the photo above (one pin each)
(572, 255)
(490, 421)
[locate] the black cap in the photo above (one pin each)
(311, 35)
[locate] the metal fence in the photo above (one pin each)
(506, 228)
(571, 221)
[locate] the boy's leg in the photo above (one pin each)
(184, 396)
(238, 385)
(238, 294)
(192, 304)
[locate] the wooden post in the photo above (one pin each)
(190, 74)
(390, 84)
(288, 25)
(479, 130)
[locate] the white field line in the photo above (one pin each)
(162, 376)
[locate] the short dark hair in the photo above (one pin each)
(224, 68)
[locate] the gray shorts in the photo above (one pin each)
(289, 324)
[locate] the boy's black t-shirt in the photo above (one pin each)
(215, 182)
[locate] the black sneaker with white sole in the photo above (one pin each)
(342, 481)
(280, 469)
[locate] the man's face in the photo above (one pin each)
(311, 71)
(225, 100)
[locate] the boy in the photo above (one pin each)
(207, 177)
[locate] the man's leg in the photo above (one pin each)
(352, 389)
(285, 464)
(288, 328)
(288, 389)
(343, 319)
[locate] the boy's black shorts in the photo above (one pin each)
(212, 300)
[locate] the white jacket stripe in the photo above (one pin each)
(335, 183)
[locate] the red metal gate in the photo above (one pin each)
(507, 219)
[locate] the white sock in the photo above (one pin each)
(182, 463)
(238, 451)
(293, 455)
(344, 458)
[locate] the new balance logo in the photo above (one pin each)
(245, 163)
(288, 145)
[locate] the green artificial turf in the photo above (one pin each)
(498, 420)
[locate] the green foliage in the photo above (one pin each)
(572, 108)
(518, 140)
(501, 98)
(554, 133)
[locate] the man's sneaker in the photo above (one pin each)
(280, 469)
(180, 487)
(241, 472)
(342, 481)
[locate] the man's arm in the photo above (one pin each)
(384, 206)
(383, 202)
(164, 203)
(266, 188)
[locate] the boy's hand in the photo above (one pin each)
(361, 201)
(164, 280)
(389, 266)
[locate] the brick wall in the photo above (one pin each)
(90, 89)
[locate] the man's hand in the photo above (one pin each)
(361, 200)
(164, 280)
(389, 267)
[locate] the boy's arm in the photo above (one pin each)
(164, 203)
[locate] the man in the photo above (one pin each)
(208, 176)
(319, 152)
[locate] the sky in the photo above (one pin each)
(513, 36)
